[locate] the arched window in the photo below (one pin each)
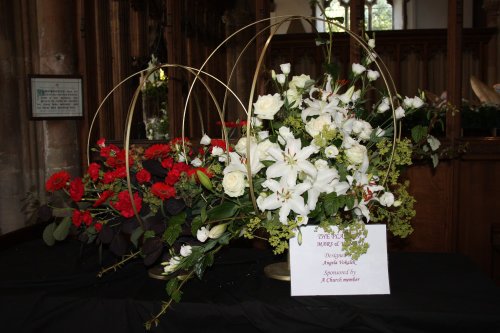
(378, 14)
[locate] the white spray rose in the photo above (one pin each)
(267, 106)
(202, 234)
(186, 250)
(234, 184)
(384, 105)
(294, 97)
(371, 43)
(281, 78)
(387, 199)
(321, 164)
(331, 151)
(372, 75)
(400, 112)
(357, 69)
(205, 140)
(196, 162)
(285, 68)
(171, 265)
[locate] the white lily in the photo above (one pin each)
(239, 163)
(286, 198)
(290, 161)
(323, 183)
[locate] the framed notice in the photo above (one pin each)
(318, 266)
(56, 96)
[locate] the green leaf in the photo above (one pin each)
(223, 211)
(172, 285)
(196, 225)
(48, 234)
(136, 234)
(177, 219)
(349, 201)
(418, 133)
(62, 230)
(224, 239)
(204, 262)
(176, 296)
(62, 212)
(203, 214)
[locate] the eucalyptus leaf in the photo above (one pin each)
(62, 230)
(48, 234)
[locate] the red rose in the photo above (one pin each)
(109, 151)
(143, 176)
(93, 171)
(57, 181)
(157, 151)
(124, 204)
(163, 191)
(76, 189)
(102, 199)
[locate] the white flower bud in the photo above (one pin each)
(205, 140)
(285, 68)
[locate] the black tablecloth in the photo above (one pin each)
(54, 289)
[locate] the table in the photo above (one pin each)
(55, 289)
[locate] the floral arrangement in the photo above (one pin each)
(315, 151)
(154, 101)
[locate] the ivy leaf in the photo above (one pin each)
(176, 296)
(206, 261)
(331, 203)
(172, 233)
(418, 133)
(62, 230)
(48, 234)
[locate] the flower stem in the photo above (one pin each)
(118, 264)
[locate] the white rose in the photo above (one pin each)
(186, 250)
(387, 199)
(281, 78)
(196, 162)
(256, 122)
(217, 231)
(299, 82)
(372, 75)
(267, 106)
(357, 69)
(356, 154)
(366, 132)
(408, 102)
(331, 151)
(400, 112)
(205, 140)
(357, 126)
(202, 234)
(285, 68)
(241, 146)
(234, 183)
(316, 125)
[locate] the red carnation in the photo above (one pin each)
(77, 218)
(102, 199)
(109, 151)
(101, 142)
(167, 163)
(57, 181)
(93, 171)
(220, 143)
(76, 189)
(98, 226)
(86, 218)
(157, 151)
(163, 191)
(143, 176)
(124, 204)
(172, 177)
